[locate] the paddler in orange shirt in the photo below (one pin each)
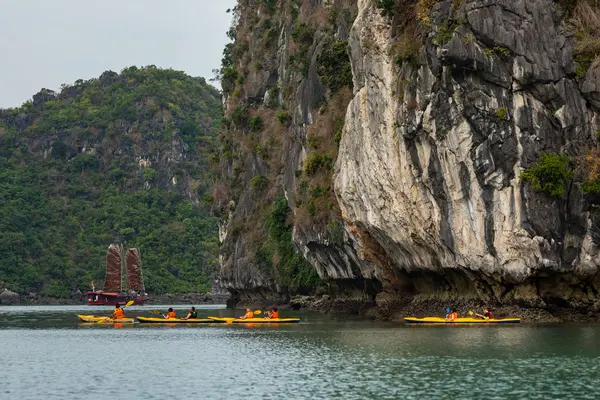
(451, 315)
(273, 313)
(170, 314)
(249, 314)
(118, 312)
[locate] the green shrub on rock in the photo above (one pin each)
(334, 66)
(284, 117)
(255, 124)
(550, 174)
(387, 7)
(259, 182)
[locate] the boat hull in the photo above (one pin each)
(103, 319)
(152, 320)
(437, 320)
(100, 298)
(257, 320)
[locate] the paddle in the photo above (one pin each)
(158, 313)
(129, 303)
(230, 320)
(256, 312)
(471, 313)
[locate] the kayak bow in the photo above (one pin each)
(437, 320)
(102, 319)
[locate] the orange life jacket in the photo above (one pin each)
(274, 314)
(452, 316)
(118, 313)
(171, 314)
(249, 314)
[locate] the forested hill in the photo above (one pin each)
(118, 159)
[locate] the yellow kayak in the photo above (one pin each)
(108, 320)
(257, 320)
(153, 320)
(437, 320)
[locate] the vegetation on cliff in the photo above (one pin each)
(291, 268)
(121, 158)
(551, 174)
(270, 144)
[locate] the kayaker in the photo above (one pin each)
(273, 313)
(192, 313)
(451, 314)
(170, 314)
(249, 314)
(118, 312)
(487, 314)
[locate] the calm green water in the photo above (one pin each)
(46, 354)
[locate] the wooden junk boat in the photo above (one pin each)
(114, 290)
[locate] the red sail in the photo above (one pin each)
(135, 281)
(113, 269)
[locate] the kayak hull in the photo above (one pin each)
(437, 320)
(257, 320)
(153, 320)
(102, 319)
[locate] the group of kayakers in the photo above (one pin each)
(451, 314)
(118, 313)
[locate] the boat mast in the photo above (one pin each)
(123, 270)
(141, 273)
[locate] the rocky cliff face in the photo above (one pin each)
(286, 80)
(452, 101)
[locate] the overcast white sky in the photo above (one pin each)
(44, 43)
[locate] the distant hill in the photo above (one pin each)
(121, 158)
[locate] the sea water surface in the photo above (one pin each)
(45, 353)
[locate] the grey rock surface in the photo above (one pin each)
(427, 176)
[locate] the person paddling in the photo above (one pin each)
(487, 314)
(118, 312)
(451, 314)
(249, 314)
(170, 314)
(273, 313)
(192, 314)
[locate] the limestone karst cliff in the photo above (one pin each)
(459, 162)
